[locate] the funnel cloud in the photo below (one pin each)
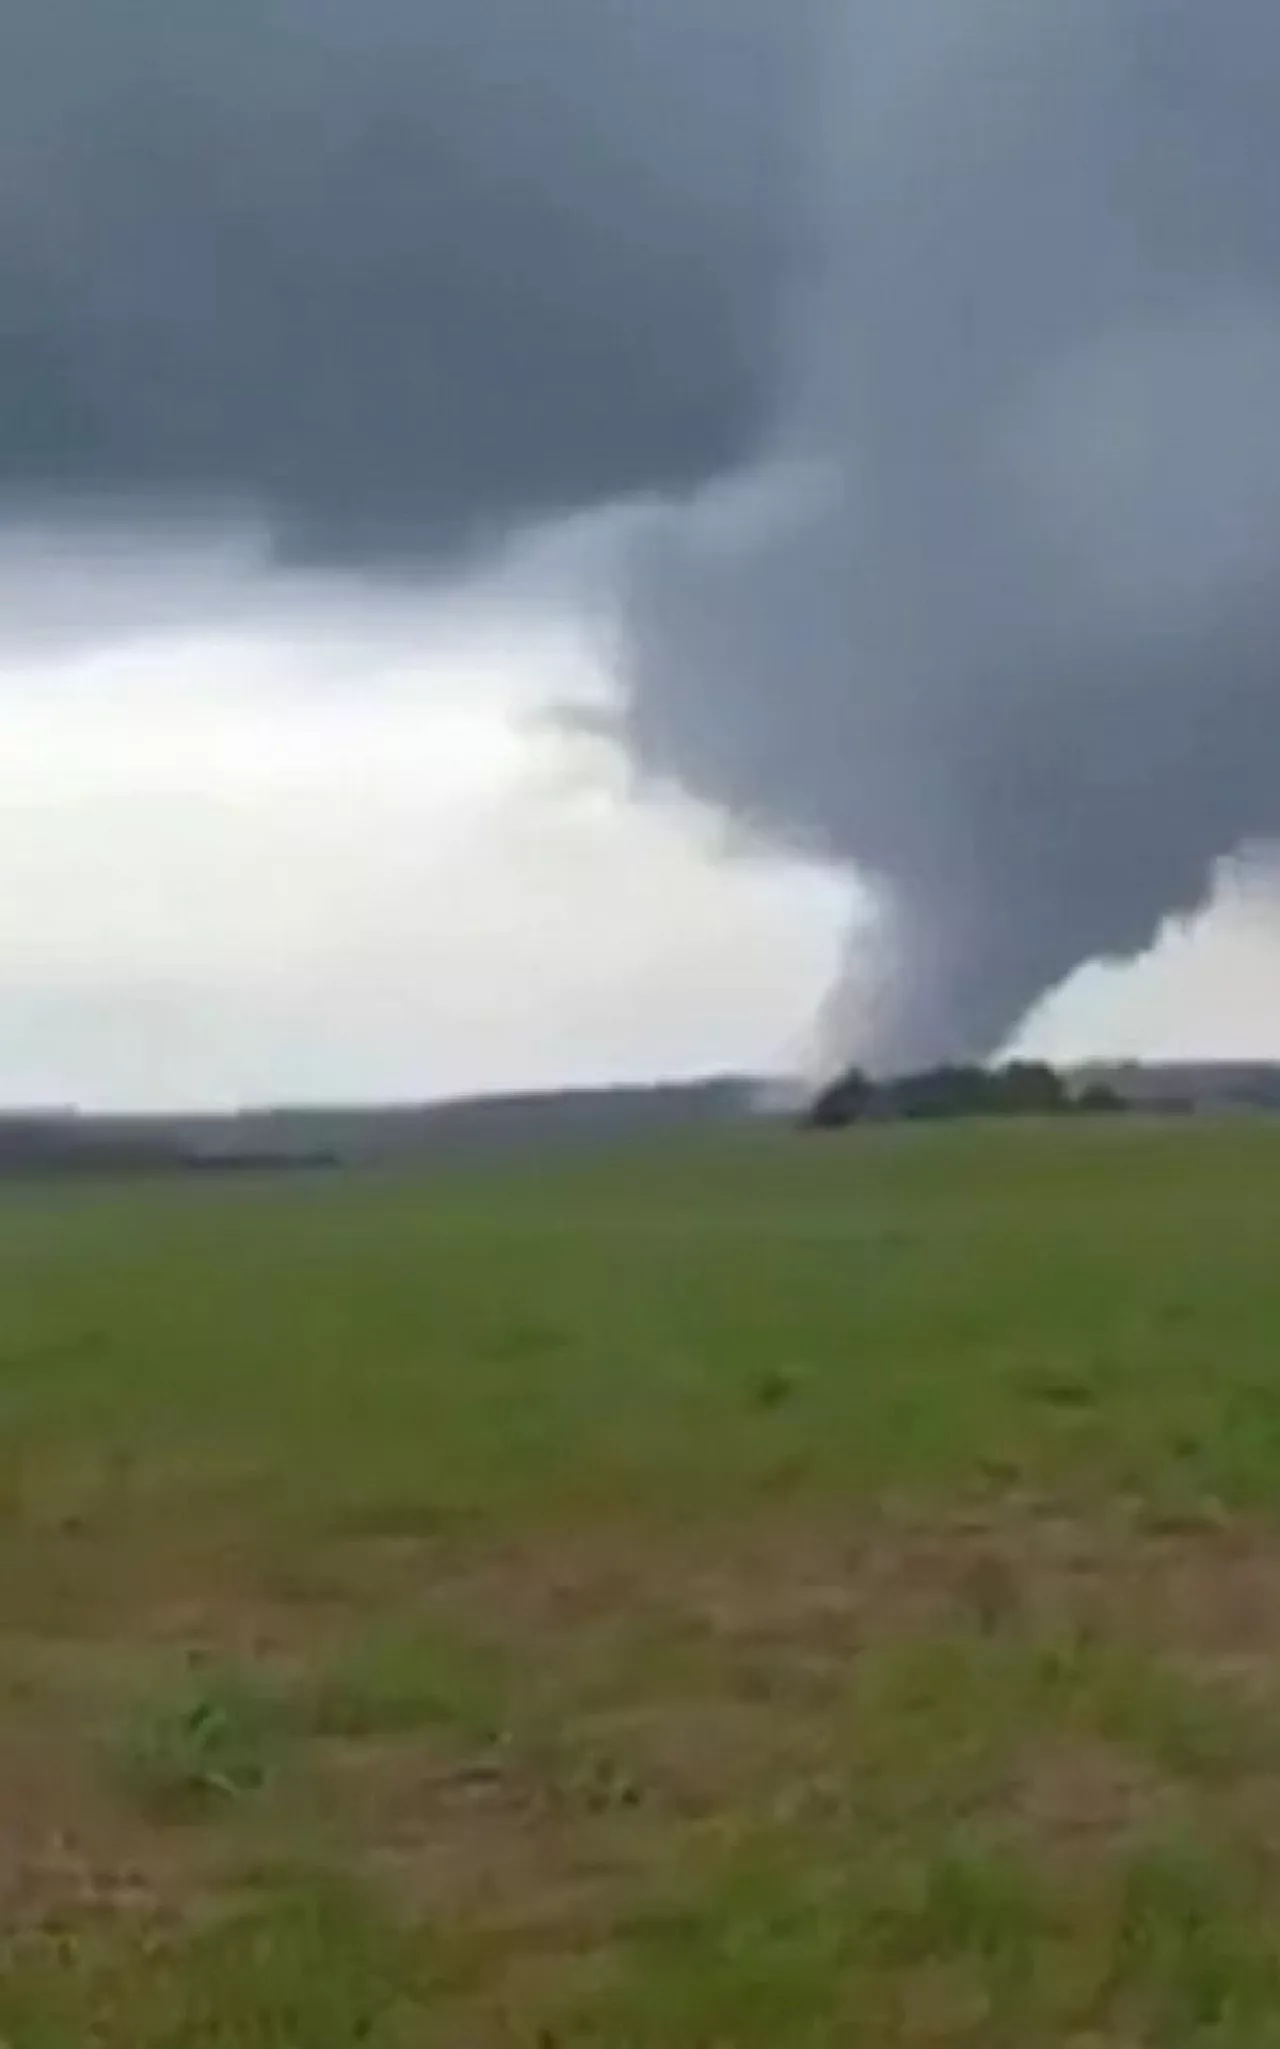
(919, 358)
(1016, 655)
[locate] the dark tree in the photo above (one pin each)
(844, 1101)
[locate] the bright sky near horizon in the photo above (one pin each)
(345, 851)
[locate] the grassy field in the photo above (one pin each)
(792, 1593)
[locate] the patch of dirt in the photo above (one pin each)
(779, 1585)
(146, 1581)
(1007, 1565)
(487, 1845)
(1082, 1796)
(68, 1852)
(702, 1670)
(771, 1618)
(1216, 1592)
(696, 1757)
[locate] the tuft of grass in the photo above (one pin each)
(217, 1737)
(1193, 1955)
(394, 1680)
(776, 1387)
(319, 1967)
(948, 1941)
(315, 1962)
(884, 1944)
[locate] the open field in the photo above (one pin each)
(779, 1592)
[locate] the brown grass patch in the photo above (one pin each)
(70, 1852)
(691, 1673)
(1080, 1795)
(783, 1582)
(495, 1848)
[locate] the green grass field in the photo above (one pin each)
(797, 1592)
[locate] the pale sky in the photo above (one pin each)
(1208, 989)
(268, 838)
(301, 841)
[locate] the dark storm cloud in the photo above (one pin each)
(389, 269)
(1019, 652)
(942, 379)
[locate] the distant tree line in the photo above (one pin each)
(60, 1143)
(72, 1145)
(1020, 1088)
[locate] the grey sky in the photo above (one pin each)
(896, 382)
(401, 271)
(1015, 655)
